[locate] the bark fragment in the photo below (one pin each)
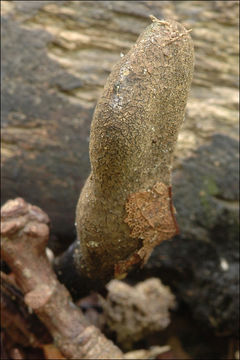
(151, 218)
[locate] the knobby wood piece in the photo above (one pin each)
(25, 232)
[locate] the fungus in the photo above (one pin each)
(125, 207)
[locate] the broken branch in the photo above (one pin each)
(24, 230)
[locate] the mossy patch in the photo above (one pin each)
(209, 189)
(211, 186)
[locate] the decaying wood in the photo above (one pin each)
(25, 232)
(134, 312)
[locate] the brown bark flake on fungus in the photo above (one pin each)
(150, 216)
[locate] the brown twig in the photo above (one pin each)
(25, 232)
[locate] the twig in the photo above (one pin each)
(25, 232)
(162, 22)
